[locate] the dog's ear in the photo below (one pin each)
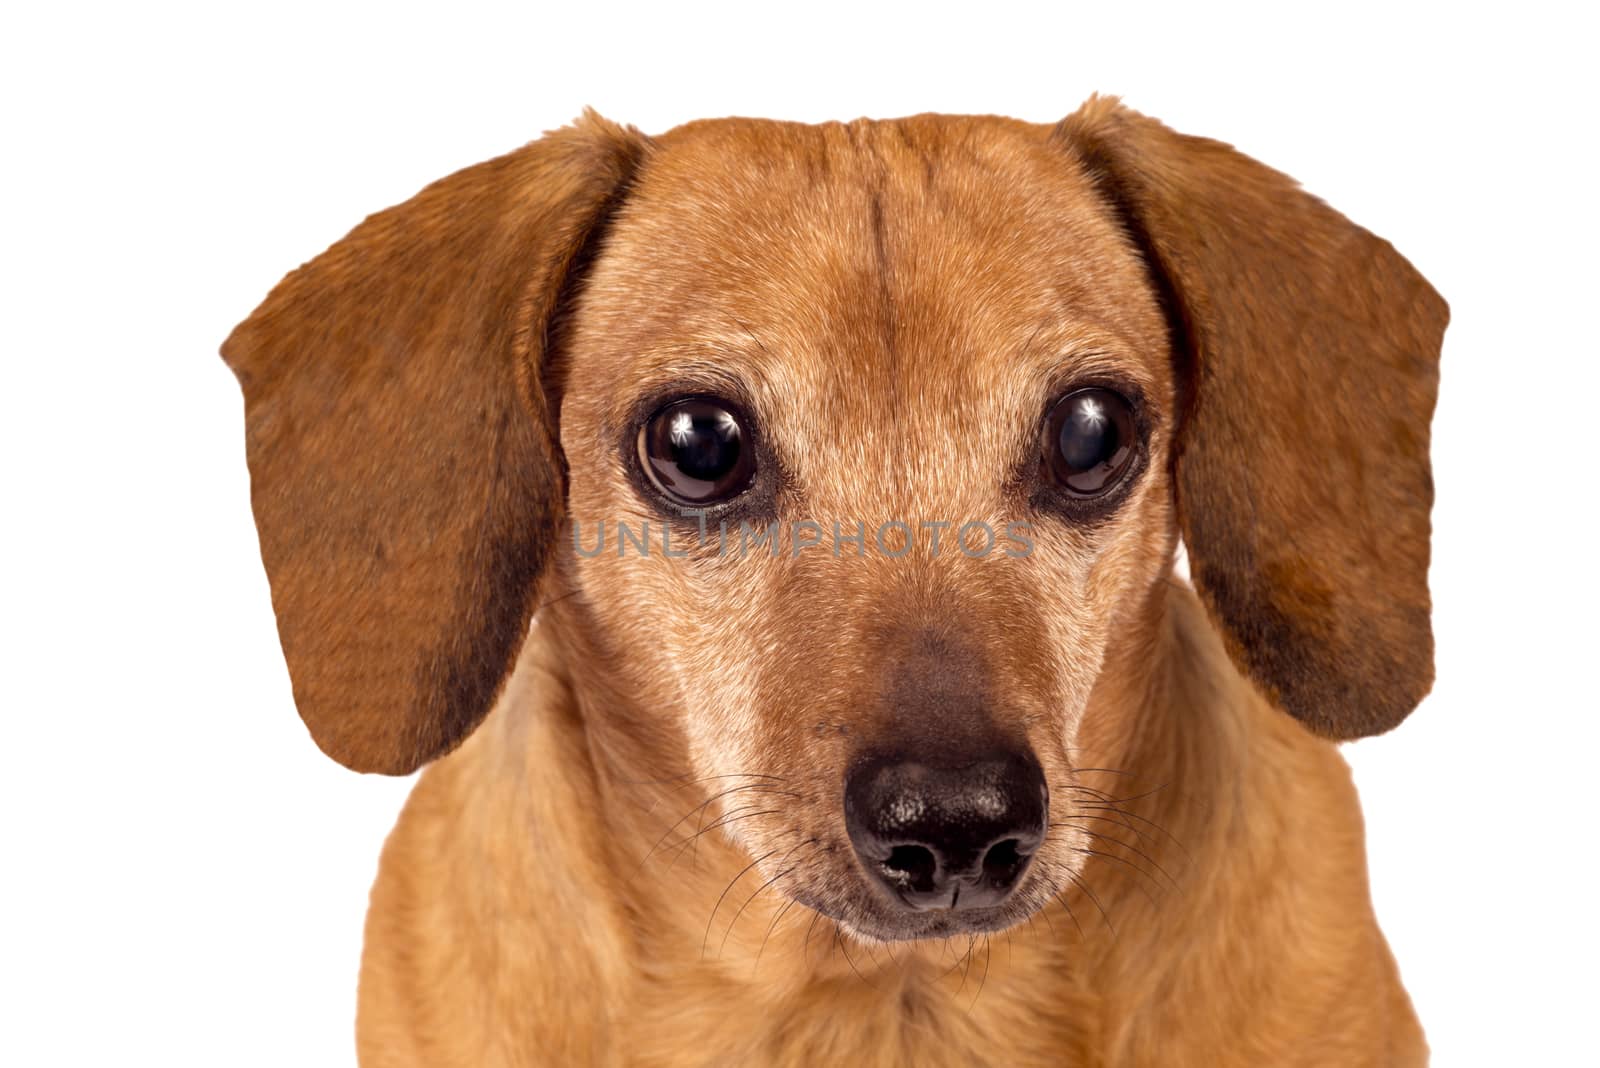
(1308, 355)
(405, 475)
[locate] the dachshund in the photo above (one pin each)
(766, 534)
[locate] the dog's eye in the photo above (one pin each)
(695, 451)
(1089, 441)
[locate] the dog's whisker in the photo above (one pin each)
(1136, 797)
(770, 782)
(723, 945)
(965, 964)
(791, 903)
(1107, 771)
(699, 829)
(683, 846)
(1080, 788)
(872, 954)
(752, 334)
(955, 959)
(1154, 900)
(1114, 822)
(805, 947)
(988, 956)
(735, 921)
(1093, 898)
(839, 940)
(753, 788)
(1102, 837)
(1045, 912)
(687, 780)
(1142, 819)
(724, 895)
(1061, 896)
(550, 602)
(714, 797)
(725, 821)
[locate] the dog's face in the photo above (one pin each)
(868, 329)
(857, 451)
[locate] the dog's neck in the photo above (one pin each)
(1192, 851)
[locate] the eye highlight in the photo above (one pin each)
(1090, 441)
(697, 451)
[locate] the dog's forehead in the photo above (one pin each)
(868, 284)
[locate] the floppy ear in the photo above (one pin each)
(1308, 353)
(404, 473)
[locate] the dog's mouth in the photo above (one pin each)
(865, 914)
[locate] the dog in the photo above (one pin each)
(608, 479)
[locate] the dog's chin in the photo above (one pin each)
(874, 921)
(932, 925)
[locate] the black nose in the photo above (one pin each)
(947, 837)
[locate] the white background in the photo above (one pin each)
(184, 875)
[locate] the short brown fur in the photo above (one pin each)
(638, 856)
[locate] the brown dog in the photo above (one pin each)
(778, 777)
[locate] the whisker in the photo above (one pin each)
(770, 928)
(1136, 852)
(752, 335)
(1142, 819)
(966, 973)
(838, 940)
(1090, 894)
(735, 921)
(1080, 788)
(1137, 797)
(1062, 897)
(682, 844)
(1045, 912)
(694, 843)
(686, 783)
(726, 821)
(1111, 856)
(955, 961)
(988, 955)
(1101, 794)
(687, 780)
(723, 897)
(805, 947)
(1114, 822)
(548, 601)
(757, 787)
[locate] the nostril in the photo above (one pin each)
(1003, 860)
(911, 866)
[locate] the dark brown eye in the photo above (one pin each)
(696, 452)
(1090, 440)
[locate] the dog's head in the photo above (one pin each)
(859, 451)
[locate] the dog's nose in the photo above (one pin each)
(947, 837)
